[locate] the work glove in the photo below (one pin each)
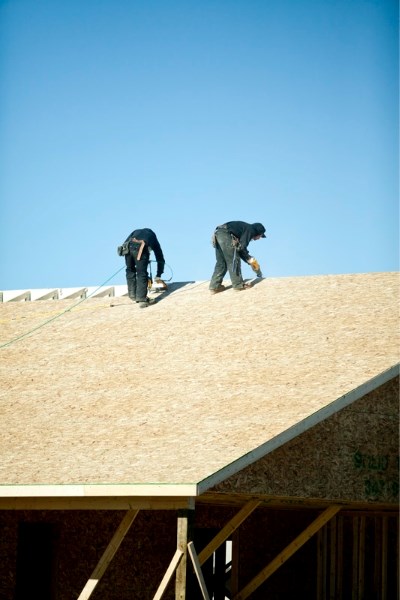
(255, 266)
(159, 284)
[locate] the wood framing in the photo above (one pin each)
(108, 554)
(185, 518)
(287, 552)
(176, 559)
(217, 448)
(229, 528)
(198, 571)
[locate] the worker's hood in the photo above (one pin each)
(259, 229)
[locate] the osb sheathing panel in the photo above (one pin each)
(351, 456)
(174, 393)
(79, 540)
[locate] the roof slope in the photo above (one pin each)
(110, 394)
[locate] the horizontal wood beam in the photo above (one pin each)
(106, 503)
(289, 503)
(100, 490)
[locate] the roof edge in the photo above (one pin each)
(99, 490)
(300, 427)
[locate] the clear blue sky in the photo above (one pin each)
(182, 114)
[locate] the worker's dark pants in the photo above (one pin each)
(227, 260)
(136, 272)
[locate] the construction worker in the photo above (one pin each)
(139, 244)
(230, 241)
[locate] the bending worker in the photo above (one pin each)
(230, 242)
(140, 243)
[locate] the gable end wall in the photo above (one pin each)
(352, 456)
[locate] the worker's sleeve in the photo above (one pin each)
(245, 240)
(159, 257)
(244, 254)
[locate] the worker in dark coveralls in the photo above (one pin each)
(141, 243)
(230, 241)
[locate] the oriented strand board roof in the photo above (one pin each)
(108, 394)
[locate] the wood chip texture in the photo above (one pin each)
(102, 391)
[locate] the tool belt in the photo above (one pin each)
(142, 244)
(234, 238)
(124, 249)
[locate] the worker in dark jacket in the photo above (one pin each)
(140, 243)
(230, 241)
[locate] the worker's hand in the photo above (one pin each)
(159, 283)
(255, 266)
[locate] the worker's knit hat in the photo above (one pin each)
(259, 229)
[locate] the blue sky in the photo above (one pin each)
(183, 114)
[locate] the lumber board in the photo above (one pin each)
(168, 574)
(227, 530)
(287, 552)
(198, 571)
(184, 520)
(108, 554)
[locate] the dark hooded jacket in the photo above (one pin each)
(244, 233)
(150, 238)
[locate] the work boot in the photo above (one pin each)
(132, 289)
(220, 288)
(245, 286)
(146, 303)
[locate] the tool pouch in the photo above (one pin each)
(236, 242)
(124, 249)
